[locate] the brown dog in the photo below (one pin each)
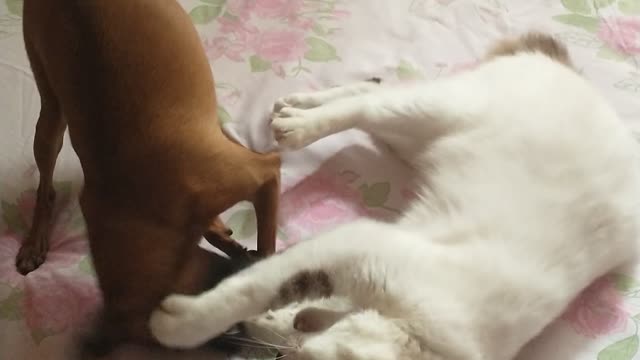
(132, 82)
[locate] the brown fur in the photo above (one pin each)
(532, 42)
(305, 285)
(136, 91)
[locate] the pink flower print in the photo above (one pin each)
(241, 8)
(65, 249)
(317, 203)
(621, 33)
(301, 23)
(240, 31)
(331, 211)
(280, 45)
(220, 46)
(463, 66)
(277, 8)
(237, 38)
(341, 14)
(9, 246)
(54, 297)
(55, 302)
(598, 310)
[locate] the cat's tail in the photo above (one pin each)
(532, 42)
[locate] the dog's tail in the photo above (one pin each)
(532, 42)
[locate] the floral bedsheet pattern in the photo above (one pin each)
(262, 49)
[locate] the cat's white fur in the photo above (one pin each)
(531, 192)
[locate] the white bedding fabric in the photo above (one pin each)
(262, 49)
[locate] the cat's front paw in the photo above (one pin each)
(295, 100)
(180, 322)
(293, 128)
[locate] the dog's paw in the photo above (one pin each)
(293, 132)
(180, 322)
(30, 257)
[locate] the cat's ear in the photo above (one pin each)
(314, 319)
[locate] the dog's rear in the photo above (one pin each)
(135, 87)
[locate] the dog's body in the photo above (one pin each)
(133, 84)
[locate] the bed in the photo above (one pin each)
(262, 49)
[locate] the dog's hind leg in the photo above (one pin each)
(219, 236)
(47, 144)
(265, 203)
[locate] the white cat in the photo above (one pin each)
(531, 192)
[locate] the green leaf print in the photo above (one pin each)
(375, 195)
(578, 6)
(625, 349)
(599, 4)
(11, 217)
(204, 14)
(10, 307)
(320, 50)
(282, 235)
(629, 7)
(219, 3)
(15, 7)
(259, 64)
(223, 115)
(584, 22)
(624, 282)
(406, 71)
(611, 54)
(86, 266)
(243, 223)
(319, 30)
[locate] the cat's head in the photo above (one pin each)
(332, 328)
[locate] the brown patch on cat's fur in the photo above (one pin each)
(305, 285)
(532, 42)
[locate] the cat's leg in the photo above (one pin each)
(308, 100)
(405, 118)
(188, 321)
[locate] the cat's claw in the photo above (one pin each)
(178, 322)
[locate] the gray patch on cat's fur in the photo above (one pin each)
(305, 285)
(376, 80)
